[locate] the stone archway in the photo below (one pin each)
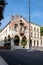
(16, 40)
(30, 44)
(37, 43)
(24, 41)
(34, 43)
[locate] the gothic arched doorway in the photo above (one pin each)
(16, 40)
(24, 41)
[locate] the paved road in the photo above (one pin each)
(21, 57)
(2, 61)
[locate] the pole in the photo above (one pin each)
(29, 24)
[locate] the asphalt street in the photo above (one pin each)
(22, 57)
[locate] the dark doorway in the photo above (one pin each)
(37, 43)
(34, 43)
(30, 45)
(24, 41)
(16, 40)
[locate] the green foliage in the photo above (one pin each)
(5, 39)
(41, 30)
(16, 40)
(7, 42)
(9, 38)
(24, 42)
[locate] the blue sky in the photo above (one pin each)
(37, 11)
(21, 7)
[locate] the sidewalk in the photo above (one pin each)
(38, 48)
(2, 61)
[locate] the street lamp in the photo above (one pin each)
(29, 27)
(2, 6)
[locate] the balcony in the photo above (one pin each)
(21, 24)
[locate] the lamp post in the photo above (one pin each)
(2, 6)
(29, 27)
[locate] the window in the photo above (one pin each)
(31, 34)
(25, 28)
(6, 32)
(31, 27)
(9, 28)
(21, 29)
(37, 30)
(20, 20)
(15, 26)
(21, 23)
(38, 35)
(34, 28)
(34, 34)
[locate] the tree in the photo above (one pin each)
(24, 42)
(9, 40)
(2, 6)
(41, 30)
(5, 41)
(16, 40)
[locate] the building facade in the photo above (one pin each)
(19, 27)
(35, 34)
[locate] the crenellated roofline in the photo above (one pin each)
(17, 17)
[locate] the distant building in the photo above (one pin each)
(19, 27)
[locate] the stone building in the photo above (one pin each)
(19, 27)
